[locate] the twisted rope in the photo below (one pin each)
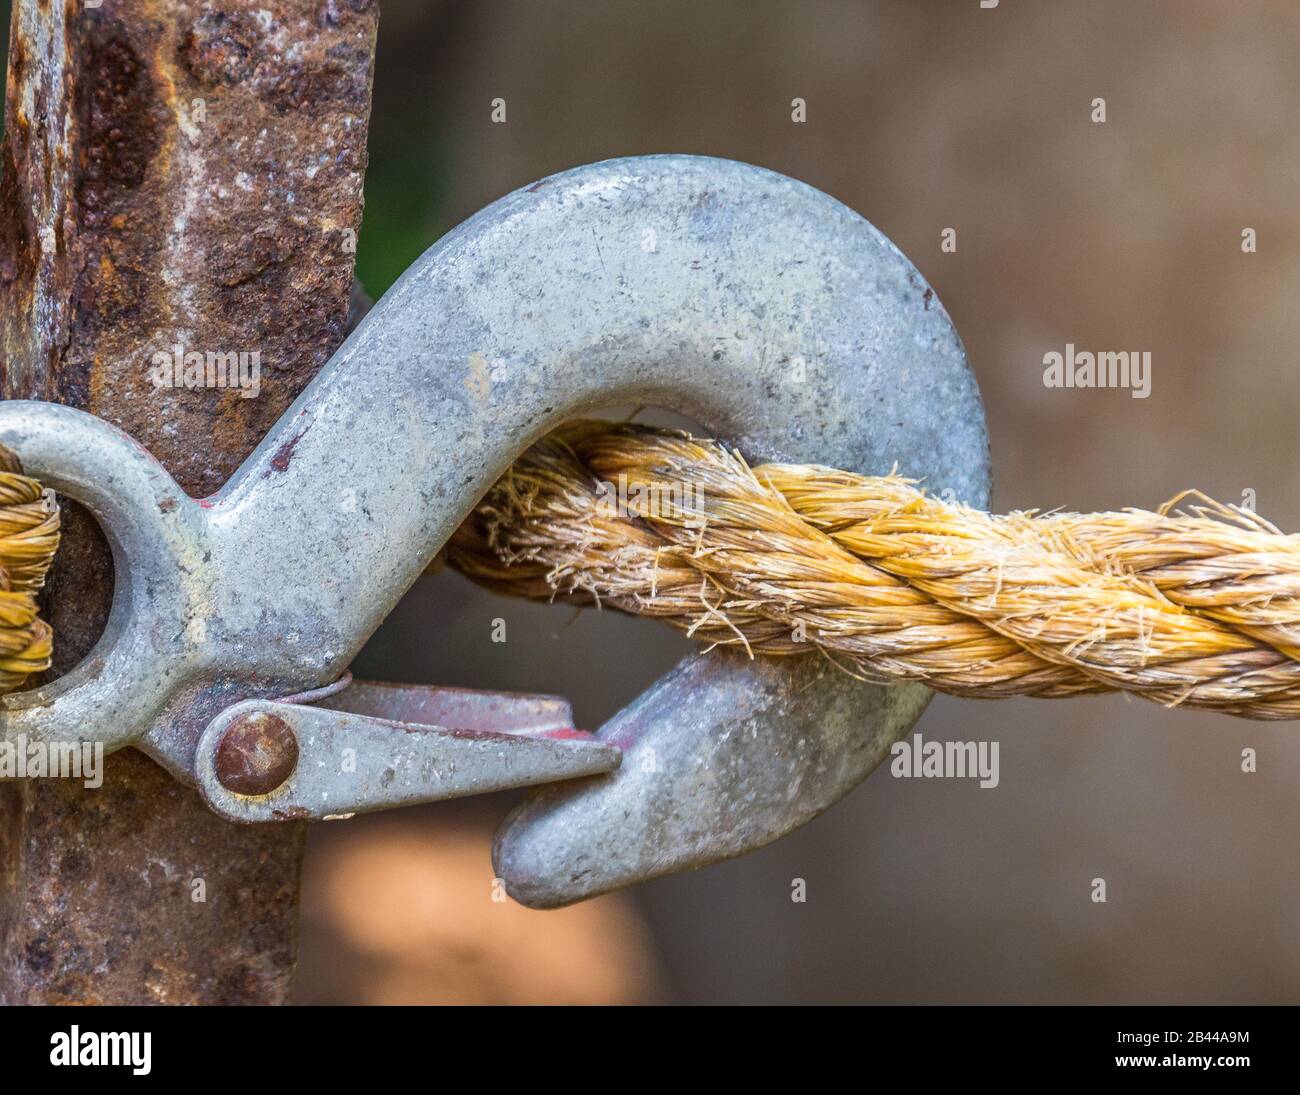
(29, 536)
(1198, 609)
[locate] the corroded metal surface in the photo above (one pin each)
(255, 754)
(137, 893)
(172, 176)
(175, 175)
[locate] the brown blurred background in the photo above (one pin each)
(1123, 235)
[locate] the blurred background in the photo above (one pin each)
(1126, 234)
(1120, 235)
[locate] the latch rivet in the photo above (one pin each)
(257, 753)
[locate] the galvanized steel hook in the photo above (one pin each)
(771, 314)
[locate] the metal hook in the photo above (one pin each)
(768, 312)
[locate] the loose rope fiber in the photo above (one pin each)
(29, 536)
(1198, 609)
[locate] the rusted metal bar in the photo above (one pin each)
(174, 180)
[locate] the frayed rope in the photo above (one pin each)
(1195, 609)
(1198, 608)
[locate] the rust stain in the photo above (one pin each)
(214, 173)
(212, 161)
(291, 813)
(284, 454)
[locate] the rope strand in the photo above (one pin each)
(1200, 609)
(29, 536)
(1197, 608)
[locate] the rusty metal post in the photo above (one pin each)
(172, 178)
